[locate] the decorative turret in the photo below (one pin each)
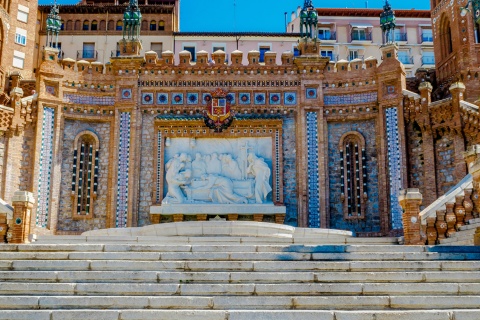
(387, 22)
(54, 24)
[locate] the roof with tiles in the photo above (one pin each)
(352, 12)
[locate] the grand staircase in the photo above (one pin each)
(228, 277)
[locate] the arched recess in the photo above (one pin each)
(78, 25)
(153, 25)
(85, 174)
(144, 25)
(446, 45)
(161, 25)
(102, 25)
(119, 26)
(353, 166)
(111, 25)
(69, 25)
(94, 26)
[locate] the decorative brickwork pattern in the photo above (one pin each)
(445, 156)
(123, 168)
(46, 155)
(355, 98)
(289, 170)
(394, 166)
(313, 176)
(90, 100)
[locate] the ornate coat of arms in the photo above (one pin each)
(218, 115)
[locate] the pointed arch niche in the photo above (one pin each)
(85, 174)
(353, 175)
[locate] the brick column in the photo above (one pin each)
(410, 201)
(22, 202)
(3, 227)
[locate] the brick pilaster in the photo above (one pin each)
(410, 201)
(22, 202)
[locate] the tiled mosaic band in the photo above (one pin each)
(123, 168)
(44, 179)
(91, 100)
(355, 98)
(313, 176)
(394, 166)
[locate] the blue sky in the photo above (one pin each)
(256, 15)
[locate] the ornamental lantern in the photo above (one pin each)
(308, 21)
(132, 18)
(54, 24)
(387, 22)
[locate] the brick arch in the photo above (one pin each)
(445, 34)
(69, 25)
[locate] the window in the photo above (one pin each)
(327, 53)
(324, 34)
(153, 25)
(262, 50)
(399, 35)
(22, 13)
(361, 34)
(427, 35)
(60, 52)
(144, 26)
(119, 25)
(21, 36)
(62, 26)
(85, 174)
(103, 25)
(88, 50)
(157, 47)
(404, 57)
(352, 54)
(77, 25)
(296, 52)
(428, 58)
(94, 26)
(192, 51)
(111, 25)
(69, 25)
(161, 25)
(18, 59)
(86, 25)
(353, 166)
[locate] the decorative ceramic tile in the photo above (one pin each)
(123, 170)
(259, 98)
(159, 165)
(147, 98)
(50, 90)
(192, 98)
(91, 100)
(394, 166)
(206, 98)
(177, 98)
(311, 93)
(244, 98)
(162, 98)
(127, 93)
(312, 167)
(231, 98)
(275, 98)
(290, 98)
(277, 165)
(44, 179)
(354, 98)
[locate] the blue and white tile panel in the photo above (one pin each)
(123, 169)
(313, 175)
(159, 166)
(394, 166)
(277, 165)
(44, 178)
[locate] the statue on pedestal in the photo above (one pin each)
(260, 170)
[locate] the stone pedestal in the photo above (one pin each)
(202, 217)
(280, 218)
(177, 217)
(410, 201)
(129, 47)
(22, 202)
(258, 217)
(232, 217)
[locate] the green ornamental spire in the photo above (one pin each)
(132, 19)
(54, 24)
(387, 22)
(308, 21)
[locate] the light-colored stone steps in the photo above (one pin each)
(140, 314)
(339, 302)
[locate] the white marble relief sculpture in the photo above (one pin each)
(233, 174)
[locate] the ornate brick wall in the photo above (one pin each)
(147, 178)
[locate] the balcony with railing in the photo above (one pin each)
(428, 60)
(400, 37)
(353, 57)
(427, 37)
(327, 36)
(87, 54)
(405, 59)
(361, 36)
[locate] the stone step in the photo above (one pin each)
(458, 243)
(137, 314)
(237, 277)
(239, 256)
(469, 227)
(474, 221)
(285, 265)
(247, 289)
(381, 302)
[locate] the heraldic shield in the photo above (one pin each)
(218, 115)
